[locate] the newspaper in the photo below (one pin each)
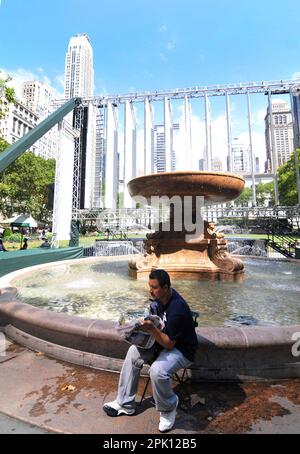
(131, 332)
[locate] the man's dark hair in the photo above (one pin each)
(161, 276)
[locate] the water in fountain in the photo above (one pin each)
(103, 290)
(247, 247)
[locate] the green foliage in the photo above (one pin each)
(265, 191)
(120, 199)
(244, 198)
(24, 186)
(7, 233)
(14, 238)
(49, 236)
(287, 183)
(3, 144)
(7, 95)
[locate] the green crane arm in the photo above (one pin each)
(16, 149)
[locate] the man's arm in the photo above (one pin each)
(160, 337)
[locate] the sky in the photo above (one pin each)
(142, 45)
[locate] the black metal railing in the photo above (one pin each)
(281, 237)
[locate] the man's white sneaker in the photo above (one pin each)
(167, 418)
(115, 409)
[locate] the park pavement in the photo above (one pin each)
(41, 395)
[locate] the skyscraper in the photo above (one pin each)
(240, 156)
(79, 70)
(79, 81)
(282, 140)
(159, 147)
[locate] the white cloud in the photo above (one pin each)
(219, 139)
(60, 79)
(21, 75)
(163, 28)
(259, 116)
(296, 75)
(170, 45)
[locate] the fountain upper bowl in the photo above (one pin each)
(215, 187)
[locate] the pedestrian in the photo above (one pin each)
(2, 248)
(25, 245)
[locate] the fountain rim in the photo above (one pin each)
(232, 352)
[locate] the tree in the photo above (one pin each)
(287, 182)
(3, 144)
(265, 192)
(7, 95)
(24, 185)
(244, 198)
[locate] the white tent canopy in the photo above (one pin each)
(22, 220)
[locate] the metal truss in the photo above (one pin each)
(273, 87)
(78, 117)
(287, 212)
(113, 215)
(126, 217)
(121, 219)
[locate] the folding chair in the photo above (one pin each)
(179, 379)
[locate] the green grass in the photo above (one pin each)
(89, 240)
(83, 240)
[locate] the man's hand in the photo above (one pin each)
(147, 326)
(163, 339)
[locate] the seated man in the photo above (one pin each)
(175, 348)
(45, 243)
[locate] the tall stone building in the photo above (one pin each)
(282, 140)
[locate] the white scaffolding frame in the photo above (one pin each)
(109, 127)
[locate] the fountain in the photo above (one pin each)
(205, 254)
(231, 351)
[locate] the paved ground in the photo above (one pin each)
(13, 426)
(40, 395)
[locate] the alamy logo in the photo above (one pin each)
(185, 214)
(296, 346)
(2, 345)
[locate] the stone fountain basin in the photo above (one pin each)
(215, 187)
(237, 353)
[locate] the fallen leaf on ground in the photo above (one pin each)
(68, 388)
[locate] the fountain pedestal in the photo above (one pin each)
(206, 258)
(202, 257)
